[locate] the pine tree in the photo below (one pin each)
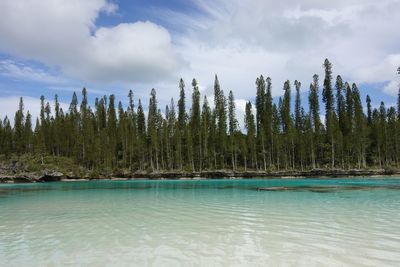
(122, 136)
(101, 144)
(268, 119)
(382, 139)
(297, 106)
(298, 124)
(182, 106)
(398, 104)
(398, 98)
(348, 132)
(152, 121)
(7, 132)
(392, 132)
(1, 138)
(58, 126)
(276, 126)
(327, 97)
(107, 139)
(359, 127)
(181, 124)
(369, 111)
(233, 128)
(397, 134)
(287, 125)
(250, 126)
(260, 103)
(315, 119)
(73, 146)
(141, 127)
(261, 117)
(195, 125)
(171, 134)
(111, 132)
(131, 131)
(160, 145)
(205, 134)
(84, 127)
(341, 114)
(19, 121)
(189, 148)
(28, 135)
(221, 120)
(42, 130)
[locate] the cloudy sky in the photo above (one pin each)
(52, 47)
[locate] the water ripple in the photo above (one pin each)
(217, 223)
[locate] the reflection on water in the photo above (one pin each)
(341, 222)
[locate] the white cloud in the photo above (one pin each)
(110, 8)
(64, 34)
(240, 40)
(77, 89)
(384, 71)
(21, 71)
(138, 51)
(392, 88)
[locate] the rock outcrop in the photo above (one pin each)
(50, 176)
(47, 176)
(55, 176)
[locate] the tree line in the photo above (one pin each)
(207, 136)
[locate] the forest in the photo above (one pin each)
(207, 136)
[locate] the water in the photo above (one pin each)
(341, 222)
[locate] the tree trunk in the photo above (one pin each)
(333, 151)
(263, 152)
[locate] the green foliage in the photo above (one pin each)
(108, 139)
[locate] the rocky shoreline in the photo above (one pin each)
(56, 176)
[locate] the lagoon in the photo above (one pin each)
(267, 222)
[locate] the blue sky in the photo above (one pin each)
(57, 47)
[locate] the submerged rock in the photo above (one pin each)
(280, 188)
(326, 189)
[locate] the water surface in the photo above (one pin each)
(310, 222)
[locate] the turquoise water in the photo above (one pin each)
(310, 222)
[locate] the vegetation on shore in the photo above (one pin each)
(27, 168)
(110, 139)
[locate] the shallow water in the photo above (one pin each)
(311, 222)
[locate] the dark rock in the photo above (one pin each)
(22, 179)
(51, 177)
(6, 179)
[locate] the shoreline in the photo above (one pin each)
(204, 175)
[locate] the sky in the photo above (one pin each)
(50, 47)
